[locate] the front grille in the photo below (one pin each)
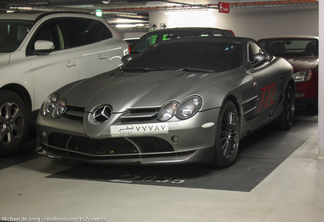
(131, 115)
(100, 147)
(140, 114)
(108, 146)
(74, 112)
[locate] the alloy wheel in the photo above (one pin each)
(229, 133)
(11, 123)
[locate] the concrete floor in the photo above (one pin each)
(294, 191)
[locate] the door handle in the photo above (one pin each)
(103, 56)
(71, 63)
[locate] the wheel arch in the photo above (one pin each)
(292, 83)
(22, 92)
(221, 157)
(234, 100)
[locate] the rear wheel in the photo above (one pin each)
(13, 122)
(227, 136)
(287, 116)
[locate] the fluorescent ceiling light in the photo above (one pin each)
(129, 25)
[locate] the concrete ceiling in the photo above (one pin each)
(90, 5)
(135, 11)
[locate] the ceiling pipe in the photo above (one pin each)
(273, 3)
(52, 2)
(213, 6)
(119, 7)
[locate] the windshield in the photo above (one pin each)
(12, 33)
(291, 47)
(154, 38)
(189, 55)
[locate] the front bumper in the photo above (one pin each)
(306, 92)
(202, 155)
(187, 141)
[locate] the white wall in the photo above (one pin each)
(321, 84)
(248, 22)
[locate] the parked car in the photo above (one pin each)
(131, 41)
(40, 52)
(302, 53)
(182, 101)
(160, 35)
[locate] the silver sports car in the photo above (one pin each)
(182, 101)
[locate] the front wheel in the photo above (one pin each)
(288, 114)
(13, 122)
(227, 136)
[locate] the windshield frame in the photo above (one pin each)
(179, 55)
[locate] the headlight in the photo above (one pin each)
(49, 104)
(59, 109)
(53, 106)
(303, 76)
(183, 110)
(189, 107)
(168, 111)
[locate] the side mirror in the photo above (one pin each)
(127, 58)
(42, 47)
(258, 59)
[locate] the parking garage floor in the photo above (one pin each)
(277, 177)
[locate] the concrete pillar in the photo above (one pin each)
(321, 83)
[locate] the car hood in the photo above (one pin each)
(123, 90)
(302, 62)
(4, 59)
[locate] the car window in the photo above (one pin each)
(202, 55)
(170, 36)
(178, 34)
(101, 29)
(222, 33)
(145, 42)
(154, 38)
(291, 47)
(84, 31)
(12, 33)
(51, 30)
(206, 34)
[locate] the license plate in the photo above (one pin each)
(139, 129)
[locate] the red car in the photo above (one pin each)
(302, 53)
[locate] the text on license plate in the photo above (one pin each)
(139, 129)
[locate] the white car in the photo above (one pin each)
(41, 52)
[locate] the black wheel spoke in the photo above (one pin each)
(228, 135)
(6, 136)
(11, 123)
(288, 114)
(14, 116)
(289, 105)
(228, 132)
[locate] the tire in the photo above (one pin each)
(13, 122)
(227, 136)
(313, 107)
(287, 116)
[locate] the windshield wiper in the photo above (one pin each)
(195, 69)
